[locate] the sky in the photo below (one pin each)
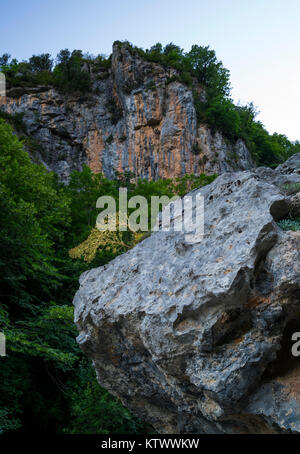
(257, 40)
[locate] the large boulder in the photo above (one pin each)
(196, 337)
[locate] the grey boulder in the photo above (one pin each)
(196, 338)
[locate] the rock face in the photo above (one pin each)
(196, 338)
(134, 120)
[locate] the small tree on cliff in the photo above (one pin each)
(42, 62)
(209, 71)
(69, 73)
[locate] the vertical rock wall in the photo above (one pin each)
(134, 120)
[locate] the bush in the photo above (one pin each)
(290, 224)
(40, 63)
(69, 74)
(290, 188)
(109, 139)
(95, 411)
(115, 111)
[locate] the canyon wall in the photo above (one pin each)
(135, 119)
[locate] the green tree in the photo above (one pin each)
(4, 59)
(42, 62)
(95, 411)
(34, 217)
(209, 71)
(69, 73)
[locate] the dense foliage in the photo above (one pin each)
(199, 69)
(46, 383)
(71, 72)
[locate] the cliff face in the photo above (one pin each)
(197, 338)
(133, 120)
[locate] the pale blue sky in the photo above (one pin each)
(257, 40)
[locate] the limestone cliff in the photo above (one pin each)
(134, 119)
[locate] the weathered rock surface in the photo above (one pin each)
(295, 205)
(196, 338)
(133, 120)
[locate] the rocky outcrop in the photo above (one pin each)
(134, 120)
(196, 338)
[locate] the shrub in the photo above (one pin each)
(150, 85)
(290, 224)
(69, 74)
(42, 62)
(290, 188)
(109, 139)
(95, 411)
(15, 120)
(115, 111)
(196, 149)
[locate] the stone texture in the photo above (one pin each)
(196, 338)
(133, 120)
(295, 205)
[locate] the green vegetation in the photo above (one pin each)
(95, 411)
(290, 224)
(16, 121)
(150, 85)
(71, 73)
(48, 236)
(47, 240)
(115, 111)
(109, 139)
(196, 149)
(290, 188)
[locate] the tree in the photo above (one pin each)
(209, 71)
(95, 411)
(156, 49)
(4, 60)
(42, 62)
(34, 217)
(69, 73)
